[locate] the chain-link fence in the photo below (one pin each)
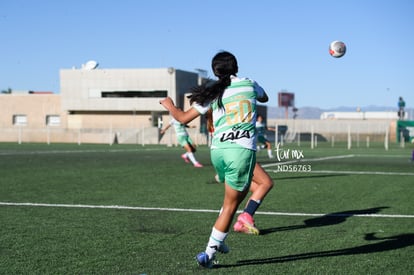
(354, 133)
(140, 136)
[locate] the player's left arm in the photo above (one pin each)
(261, 94)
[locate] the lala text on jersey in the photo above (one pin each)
(234, 134)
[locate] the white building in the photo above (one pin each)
(97, 106)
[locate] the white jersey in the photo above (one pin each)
(234, 126)
(260, 128)
(180, 129)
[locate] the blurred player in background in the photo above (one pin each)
(401, 106)
(185, 141)
(261, 135)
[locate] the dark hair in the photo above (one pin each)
(224, 65)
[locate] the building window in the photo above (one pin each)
(53, 120)
(19, 120)
(147, 94)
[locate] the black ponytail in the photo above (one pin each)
(224, 65)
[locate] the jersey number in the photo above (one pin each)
(239, 111)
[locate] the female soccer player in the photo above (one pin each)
(261, 135)
(233, 103)
(261, 184)
(184, 140)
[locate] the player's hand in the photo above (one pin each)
(167, 103)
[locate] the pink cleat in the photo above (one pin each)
(238, 227)
(245, 224)
(198, 165)
(184, 157)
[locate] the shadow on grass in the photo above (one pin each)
(385, 244)
(326, 220)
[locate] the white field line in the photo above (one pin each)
(307, 160)
(120, 207)
(11, 153)
(363, 173)
(269, 165)
(382, 156)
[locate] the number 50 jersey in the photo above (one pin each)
(235, 124)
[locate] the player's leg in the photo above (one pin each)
(190, 149)
(182, 140)
(188, 156)
(260, 187)
(269, 149)
(232, 200)
(262, 183)
(238, 174)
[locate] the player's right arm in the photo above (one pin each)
(177, 113)
(165, 129)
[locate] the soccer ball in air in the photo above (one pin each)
(337, 49)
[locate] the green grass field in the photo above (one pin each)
(127, 209)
